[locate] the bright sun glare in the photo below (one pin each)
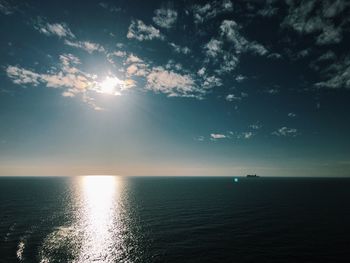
(111, 86)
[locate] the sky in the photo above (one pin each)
(219, 88)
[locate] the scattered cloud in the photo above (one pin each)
(303, 53)
(136, 66)
(275, 55)
(6, 8)
(230, 30)
(88, 46)
(333, 8)
(311, 17)
(268, 10)
(292, 115)
(133, 59)
(210, 82)
(110, 7)
(116, 54)
(202, 13)
(330, 35)
(245, 135)
(179, 49)
(171, 83)
(285, 131)
(22, 76)
(72, 80)
(60, 30)
(272, 91)
(213, 47)
(225, 51)
(119, 53)
(337, 74)
(329, 55)
(216, 136)
(255, 126)
(200, 138)
(165, 17)
(140, 31)
(240, 78)
(232, 97)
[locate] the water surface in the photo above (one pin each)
(174, 219)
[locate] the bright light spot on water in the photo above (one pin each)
(99, 213)
(99, 230)
(235, 180)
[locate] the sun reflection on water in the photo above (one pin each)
(101, 226)
(99, 218)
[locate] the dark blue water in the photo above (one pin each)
(174, 220)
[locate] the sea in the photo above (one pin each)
(87, 219)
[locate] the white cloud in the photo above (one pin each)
(136, 66)
(310, 17)
(333, 8)
(69, 78)
(275, 55)
(272, 91)
(268, 10)
(60, 30)
(179, 49)
(303, 53)
(202, 13)
(119, 53)
(213, 47)
(255, 126)
(232, 97)
(330, 35)
(227, 55)
(216, 136)
(132, 69)
(140, 70)
(329, 55)
(200, 138)
(240, 78)
(109, 7)
(173, 65)
(337, 74)
(229, 62)
(88, 46)
(22, 76)
(291, 114)
(285, 131)
(6, 8)
(245, 135)
(230, 30)
(201, 71)
(210, 82)
(133, 59)
(140, 31)
(165, 18)
(171, 83)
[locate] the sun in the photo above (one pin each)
(110, 86)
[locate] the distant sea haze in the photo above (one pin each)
(174, 219)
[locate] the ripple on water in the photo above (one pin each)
(62, 245)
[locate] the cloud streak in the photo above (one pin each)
(165, 17)
(140, 31)
(60, 30)
(68, 77)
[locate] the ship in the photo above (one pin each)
(252, 176)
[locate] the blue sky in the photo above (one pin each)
(175, 88)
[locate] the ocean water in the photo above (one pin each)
(174, 219)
